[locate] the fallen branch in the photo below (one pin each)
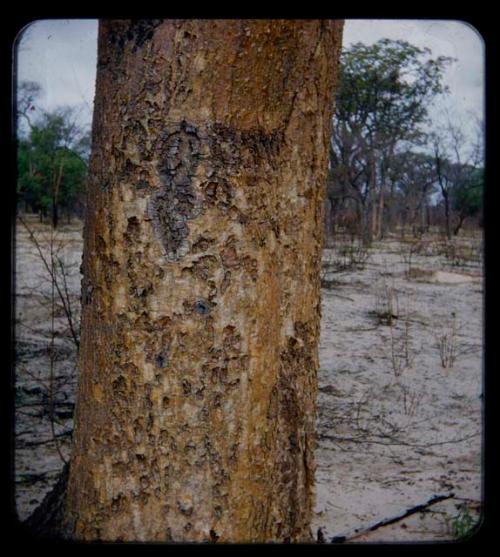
(386, 521)
(52, 439)
(396, 442)
(28, 478)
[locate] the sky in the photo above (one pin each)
(61, 56)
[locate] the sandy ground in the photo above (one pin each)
(395, 427)
(44, 351)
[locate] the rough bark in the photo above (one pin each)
(195, 416)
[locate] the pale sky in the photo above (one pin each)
(61, 56)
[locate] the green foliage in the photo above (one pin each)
(467, 195)
(462, 524)
(381, 105)
(385, 89)
(52, 163)
(413, 177)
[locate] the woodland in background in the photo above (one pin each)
(53, 152)
(390, 170)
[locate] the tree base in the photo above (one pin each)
(47, 519)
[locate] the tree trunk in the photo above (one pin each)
(329, 230)
(458, 226)
(380, 215)
(447, 215)
(195, 416)
(364, 212)
(373, 198)
(382, 225)
(55, 195)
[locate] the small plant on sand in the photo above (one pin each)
(402, 350)
(386, 303)
(450, 347)
(446, 342)
(346, 256)
(462, 253)
(407, 252)
(462, 524)
(411, 400)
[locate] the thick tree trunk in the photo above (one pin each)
(196, 415)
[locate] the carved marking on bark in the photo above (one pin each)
(176, 201)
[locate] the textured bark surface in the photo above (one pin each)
(196, 407)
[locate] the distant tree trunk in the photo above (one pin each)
(424, 211)
(444, 187)
(458, 226)
(382, 225)
(447, 215)
(390, 220)
(329, 230)
(380, 216)
(195, 415)
(372, 199)
(363, 210)
(55, 195)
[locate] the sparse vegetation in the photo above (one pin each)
(386, 302)
(447, 345)
(345, 256)
(462, 524)
(47, 341)
(402, 350)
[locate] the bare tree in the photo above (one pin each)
(457, 160)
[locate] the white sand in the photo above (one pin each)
(386, 442)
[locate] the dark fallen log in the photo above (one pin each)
(386, 521)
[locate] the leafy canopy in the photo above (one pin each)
(385, 89)
(52, 161)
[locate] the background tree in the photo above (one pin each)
(52, 163)
(195, 417)
(467, 197)
(458, 165)
(412, 182)
(382, 101)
